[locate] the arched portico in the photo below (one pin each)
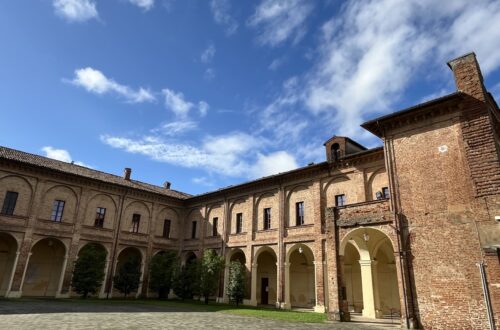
(101, 248)
(264, 277)
(300, 277)
(9, 255)
(235, 254)
(369, 273)
(124, 255)
(45, 268)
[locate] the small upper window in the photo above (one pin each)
(299, 213)
(335, 152)
(166, 228)
(267, 218)
(239, 223)
(9, 203)
(57, 211)
(99, 218)
(385, 192)
(136, 221)
(340, 200)
(214, 226)
(193, 229)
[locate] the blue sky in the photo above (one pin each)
(209, 93)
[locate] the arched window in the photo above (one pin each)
(335, 152)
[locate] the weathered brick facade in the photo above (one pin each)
(414, 255)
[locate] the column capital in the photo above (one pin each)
(367, 262)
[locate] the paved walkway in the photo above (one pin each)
(47, 314)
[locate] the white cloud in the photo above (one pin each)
(204, 181)
(276, 63)
(95, 81)
(280, 20)
(220, 11)
(235, 154)
(62, 155)
(176, 128)
(203, 107)
(209, 74)
(208, 54)
(273, 163)
(76, 10)
(144, 4)
(176, 102)
(370, 51)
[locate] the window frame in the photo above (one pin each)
(136, 222)
(193, 229)
(386, 193)
(343, 199)
(9, 203)
(239, 223)
(215, 225)
(267, 218)
(167, 228)
(299, 213)
(100, 216)
(57, 210)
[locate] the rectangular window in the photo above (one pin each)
(267, 218)
(136, 221)
(166, 228)
(57, 211)
(239, 223)
(193, 229)
(214, 226)
(99, 218)
(9, 203)
(299, 213)
(385, 192)
(340, 200)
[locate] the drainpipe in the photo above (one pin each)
(486, 296)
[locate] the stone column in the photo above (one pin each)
(253, 296)
(102, 292)
(369, 308)
(12, 272)
(319, 295)
(59, 294)
(141, 280)
(287, 304)
(225, 298)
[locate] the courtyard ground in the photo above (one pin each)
(149, 314)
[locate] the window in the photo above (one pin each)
(99, 218)
(9, 203)
(267, 218)
(239, 223)
(136, 220)
(214, 226)
(166, 228)
(193, 229)
(57, 211)
(340, 200)
(385, 192)
(335, 152)
(299, 213)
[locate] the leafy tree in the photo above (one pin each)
(88, 273)
(129, 276)
(161, 273)
(187, 280)
(236, 283)
(210, 270)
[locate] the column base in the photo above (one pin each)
(283, 305)
(219, 300)
(319, 309)
(14, 294)
(369, 314)
(252, 302)
(62, 295)
(248, 302)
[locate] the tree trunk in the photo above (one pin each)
(206, 300)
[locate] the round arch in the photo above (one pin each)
(8, 260)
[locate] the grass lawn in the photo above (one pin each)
(262, 312)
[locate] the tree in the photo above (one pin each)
(236, 283)
(161, 272)
(88, 273)
(187, 280)
(211, 267)
(129, 276)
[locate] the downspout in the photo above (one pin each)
(113, 256)
(402, 254)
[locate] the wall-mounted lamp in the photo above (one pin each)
(366, 237)
(301, 250)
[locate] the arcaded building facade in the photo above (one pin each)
(410, 230)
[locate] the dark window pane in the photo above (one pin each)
(267, 218)
(136, 220)
(385, 192)
(100, 215)
(9, 203)
(239, 223)
(340, 200)
(57, 211)
(166, 228)
(214, 226)
(193, 229)
(299, 213)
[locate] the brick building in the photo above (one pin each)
(408, 230)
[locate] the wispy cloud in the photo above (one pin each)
(175, 128)
(76, 10)
(208, 54)
(235, 154)
(276, 63)
(209, 74)
(204, 181)
(62, 155)
(96, 82)
(176, 102)
(144, 4)
(280, 20)
(203, 107)
(221, 13)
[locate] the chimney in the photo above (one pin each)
(166, 185)
(468, 77)
(126, 173)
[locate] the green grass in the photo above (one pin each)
(191, 305)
